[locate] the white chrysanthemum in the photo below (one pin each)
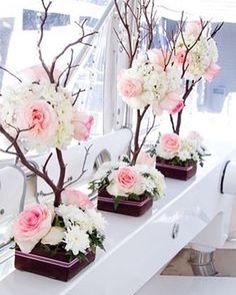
(184, 155)
(74, 215)
(76, 240)
(105, 168)
(97, 220)
(153, 179)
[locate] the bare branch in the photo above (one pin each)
(77, 94)
(10, 73)
(83, 170)
(43, 21)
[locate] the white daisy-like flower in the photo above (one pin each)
(76, 240)
(97, 220)
(184, 155)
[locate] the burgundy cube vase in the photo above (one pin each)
(126, 206)
(176, 172)
(58, 266)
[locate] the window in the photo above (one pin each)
(19, 34)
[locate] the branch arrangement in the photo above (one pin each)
(141, 20)
(189, 44)
(40, 115)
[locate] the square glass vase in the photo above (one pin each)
(126, 206)
(176, 171)
(57, 266)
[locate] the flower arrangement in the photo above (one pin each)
(151, 81)
(125, 182)
(185, 151)
(195, 54)
(74, 226)
(45, 115)
(177, 157)
(41, 114)
(200, 60)
(128, 187)
(148, 82)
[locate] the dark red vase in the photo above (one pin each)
(176, 172)
(126, 206)
(58, 266)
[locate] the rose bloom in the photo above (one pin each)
(31, 226)
(180, 57)
(82, 125)
(193, 28)
(146, 159)
(211, 72)
(36, 73)
(77, 198)
(171, 103)
(157, 58)
(126, 178)
(54, 236)
(40, 118)
(170, 142)
(129, 86)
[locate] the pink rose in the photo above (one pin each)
(36, 73)
(31, 226)
(158, 58)
(126, 178)
(180, 58)
(170, 142)
(77, 198)
(211, 72)
(193, 28)
(146, 159)
(82, 125)
(129, 86)
(40, 117)
(171, 103)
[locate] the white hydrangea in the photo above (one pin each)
(156, 84)
(201, 55)
(16, 98)
(76, 240)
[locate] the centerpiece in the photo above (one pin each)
(130, 186)
(195, 55)
(178, 157)
(55, 240)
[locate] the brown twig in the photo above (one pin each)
(77, 94)
(83, 170)
(26, 162)
(10, 73)
(80, 40)
(43, 22)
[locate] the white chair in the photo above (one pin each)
(108, 147)
(12, 197)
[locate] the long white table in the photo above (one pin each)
(136, 248)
